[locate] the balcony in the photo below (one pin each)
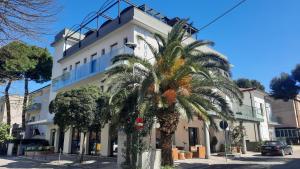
(248, 113)
(92, 68)
(273, 120)
(35, 107)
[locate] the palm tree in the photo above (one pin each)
(180, 80)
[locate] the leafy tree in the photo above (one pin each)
(76, 108)
(286, 86)
(40, 72)
(4, 134)
(13, 62)
(181, 81)
(247, 83)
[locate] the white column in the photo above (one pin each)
(56, 140)
(244, 146)
(105, 140)
(84, 142)
(67, 141)
(207, 140)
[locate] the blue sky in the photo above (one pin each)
(261, 38)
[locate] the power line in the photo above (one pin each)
(219, 17)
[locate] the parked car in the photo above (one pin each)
(276, 148)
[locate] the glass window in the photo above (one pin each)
(70, 68)
(65, 70)
(103, 52)
(84, 60)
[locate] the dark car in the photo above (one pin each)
(276, 148)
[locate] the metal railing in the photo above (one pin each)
(34, 107)
(96, 66)
(246, 112)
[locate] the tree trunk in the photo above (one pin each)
(168, 125)
(7, 102)
(166, 149)
(83, 148)
(24, 103)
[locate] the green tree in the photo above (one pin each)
(181, 80)
(247, 83)
(76, 108)
(4, 134)
(13, 63)
(286, 86)
(40, 72)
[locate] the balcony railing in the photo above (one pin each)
(34, 107)
(96, 66)
(245, 112)
(273, 120)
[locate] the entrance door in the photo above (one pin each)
(94, 142)
(193, 136)
(75, 146)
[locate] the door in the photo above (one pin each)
(193, 136)
(75, 145)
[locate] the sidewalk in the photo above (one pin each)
(73, 160)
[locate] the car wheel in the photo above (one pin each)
(282, 153)
(291, 152)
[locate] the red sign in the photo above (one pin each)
(139, 123)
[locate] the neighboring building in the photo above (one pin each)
(37, 114)
(288, 113)
(16, 105)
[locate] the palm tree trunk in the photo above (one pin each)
(168, 125)
(7, 102)
(166, 149)
(24, 103)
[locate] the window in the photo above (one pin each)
(93, 56)
(65, 70)
(113, 46)
(77, 64)
(261, 108)
(103, 52)
(125, 40)
(84, 60)
(70, 68)
(93, 63)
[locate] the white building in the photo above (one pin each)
(37, 114)
(82, 58)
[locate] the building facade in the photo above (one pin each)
(16, 106)
(288, 113)
(37, 114)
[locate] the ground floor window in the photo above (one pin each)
(94, 142)
(75, 145)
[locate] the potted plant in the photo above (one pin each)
(188, 155)
(181, 155)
